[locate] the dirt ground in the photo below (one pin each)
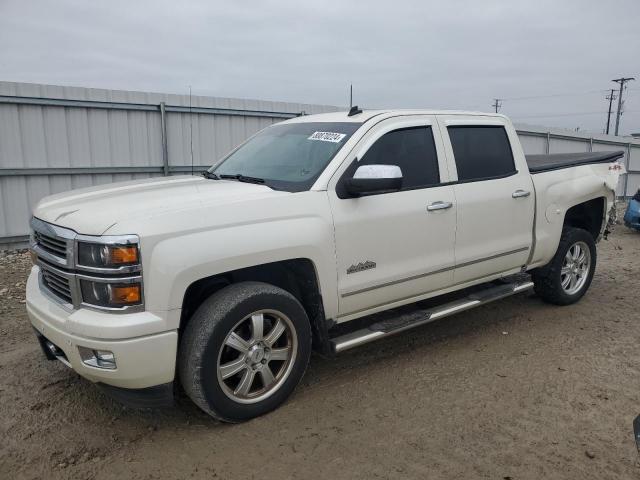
(514, 390)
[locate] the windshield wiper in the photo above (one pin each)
(210, 175)
(242, 178)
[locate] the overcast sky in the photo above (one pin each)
(415, 54)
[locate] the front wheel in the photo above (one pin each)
(244, 351)
(567, 277)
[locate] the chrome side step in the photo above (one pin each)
(391, 324)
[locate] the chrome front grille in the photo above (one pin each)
(59, 284)
(54, 245)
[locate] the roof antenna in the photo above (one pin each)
(191, 129)
(353, 109)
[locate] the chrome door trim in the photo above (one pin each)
(498, 255)
(395, 282)
(432, 272)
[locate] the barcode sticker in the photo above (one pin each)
(327, 137)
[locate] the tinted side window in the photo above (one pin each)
(413, 150)
(481, 152)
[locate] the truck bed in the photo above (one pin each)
(557, 161)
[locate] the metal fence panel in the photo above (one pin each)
(533, 144)
(54, 139)
(634, 159)
(633, 183)
(561, 145)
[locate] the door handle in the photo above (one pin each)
(439, 206)
(520, 194)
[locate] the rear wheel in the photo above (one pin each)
(568, 276)
(244, 351)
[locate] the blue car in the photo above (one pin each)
(632, 215)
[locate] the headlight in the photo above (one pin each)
(115, 256)
(111, 295)
(98, 255)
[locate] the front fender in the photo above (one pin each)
(177, 262)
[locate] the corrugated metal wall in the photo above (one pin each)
(54, 139)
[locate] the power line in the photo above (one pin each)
(552, 115)
(554, 95)
(620, 81)
(611, 97)
(551, 95)
(571, 114)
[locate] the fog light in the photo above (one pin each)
(98, 358)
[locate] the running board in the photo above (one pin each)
(400, 323)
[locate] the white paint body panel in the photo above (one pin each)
(191, 228)
(491, 224)
(396, 231)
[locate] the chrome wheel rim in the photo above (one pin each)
(575, 268)
(257, 356)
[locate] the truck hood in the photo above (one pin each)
(93, 211)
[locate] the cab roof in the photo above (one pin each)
(368, 114)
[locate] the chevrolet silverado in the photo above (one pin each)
(223, 284)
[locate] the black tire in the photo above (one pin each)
(203, 341)
(548, 279)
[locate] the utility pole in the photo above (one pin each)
(497, 104)
(621, 81)
(611, 97)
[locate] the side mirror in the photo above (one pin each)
(370, 179)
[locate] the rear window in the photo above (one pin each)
(481, 152)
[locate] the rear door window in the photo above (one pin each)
(481, 152)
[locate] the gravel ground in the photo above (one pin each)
(514, 390)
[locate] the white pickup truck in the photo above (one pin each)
(224, 283)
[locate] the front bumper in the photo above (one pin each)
(144, 361)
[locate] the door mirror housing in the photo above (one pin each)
(370, 179)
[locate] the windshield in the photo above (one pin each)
(288, 156)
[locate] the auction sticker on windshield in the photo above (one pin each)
(327, 137)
